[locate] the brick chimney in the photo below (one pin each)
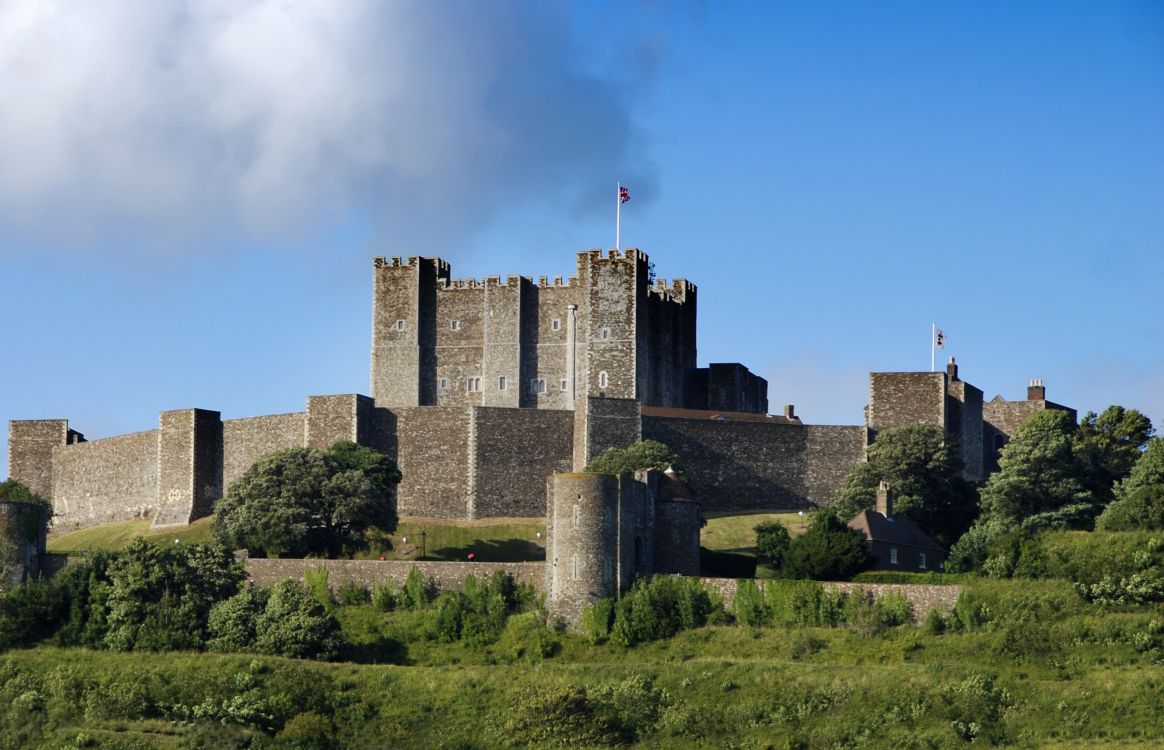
(1036, 391)
(790, 411)
(885, 499)
(952, 369)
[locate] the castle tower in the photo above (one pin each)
(582, 532)
(22, 543)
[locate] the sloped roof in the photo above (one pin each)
(718, 416)
(672, 490)
(892, 530)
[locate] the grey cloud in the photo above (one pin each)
(171, 120)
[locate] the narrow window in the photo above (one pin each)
(574, 568)
(893, 555)
(537, 385)
(563, 384)
(921, 560)
(454, 325)
(605, 334)
(555, 324)
(444, 384)
(400, 325)
(577, 515)
(472, 385)
(501, 383)
(603, 379)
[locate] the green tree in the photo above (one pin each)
(293, 623)
(1039, 484)
(1108, 446)
(925, 471)
(160, 597)
(301, 500)
(828, 551)
(649, 454)
(772, 543)
(1139, 499)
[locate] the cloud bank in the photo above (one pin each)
(169, 120)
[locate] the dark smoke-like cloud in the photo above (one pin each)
(166, 122)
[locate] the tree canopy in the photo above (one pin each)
(648, 454)
(828, 551)
(303, 501)
(925, 471)
(1139, 499)
(1108, 446)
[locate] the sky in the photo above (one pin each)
(192, 191)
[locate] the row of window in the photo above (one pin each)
(555, 325)
(536, 385)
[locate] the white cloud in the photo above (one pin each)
(173, 118)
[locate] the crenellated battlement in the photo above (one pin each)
(442, 266)
(678, 291)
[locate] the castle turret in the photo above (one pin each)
(582, 549)
(22, 543)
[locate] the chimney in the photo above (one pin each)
(952, 369)
(885, 499)
(1036, 391)
(790, 411)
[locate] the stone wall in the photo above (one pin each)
(512, 453)
(964, 407)
(922, 597)
(331, 419)
(369, 573)
(189, 466)
(746, 465)
(114, 479)
(897, 399)
(431, 447)
(601, 423)
(30, 448)
(244, 441)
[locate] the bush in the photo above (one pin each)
(417, 592)
(804, 604)
(596, 621)
(659, 609)
(935, 623)
(353, 594)
(750, 606)
(772, 543)
(232, 622)
(828, 551)
(295, 624)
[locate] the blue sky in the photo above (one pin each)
(191, 192)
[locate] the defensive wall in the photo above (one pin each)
(370, 573)
(922, 597)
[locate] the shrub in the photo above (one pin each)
(828, 551)
(232, 622)
(750, 606)
(935, 623)
(31, 612)
(295, 624)
(596, 621)
(659, 608)
(804, 604)
(353, 594)
(772, 543)
(384, 597)
(894, 609)
(417, 592)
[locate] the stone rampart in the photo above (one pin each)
(30, 449)
(431, 447)
(897, 399)
(512, 453)
(245, 440)
(922, 597)
(113, 479)
(445, 575)
(746, 465)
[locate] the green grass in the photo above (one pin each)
(737, 532)
(115, 536)
(505, 540)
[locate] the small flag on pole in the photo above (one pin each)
(623, 194)
(939, 338)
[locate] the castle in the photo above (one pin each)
(483, 389)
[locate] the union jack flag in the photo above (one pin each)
(623, 194)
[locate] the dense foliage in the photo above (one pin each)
(648, 454)
(925, 471)
(828, 551)
(772, 543)
(302, 501)
(1139, 499)
(1108, 446)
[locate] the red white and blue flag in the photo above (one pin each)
(623, 194)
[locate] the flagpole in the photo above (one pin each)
(617, 215)
(933, 344)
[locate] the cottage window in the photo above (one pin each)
(893, 555)
(921, 560)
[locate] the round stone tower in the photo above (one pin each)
(22, 542)
(581, 556)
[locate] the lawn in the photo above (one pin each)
(492, 540)
(729, 543)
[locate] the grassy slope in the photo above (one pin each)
(496, 540)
